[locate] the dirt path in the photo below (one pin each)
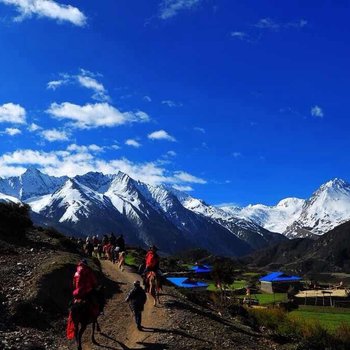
(117, 324)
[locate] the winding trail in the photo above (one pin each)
(118, 328)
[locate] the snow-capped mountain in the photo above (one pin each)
(31, 183)
(327, 208)
(273, 218)
(244, 229)
(95, 203)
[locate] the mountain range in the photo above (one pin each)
(95, 203)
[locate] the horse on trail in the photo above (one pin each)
(153, 286)
(82, 314)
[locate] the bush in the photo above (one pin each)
(14, 220)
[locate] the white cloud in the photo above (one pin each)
(202, 130)
(84, 79)
(54, 135)
(12, 113)
(78, 160)
(186, 177)
(161, 135)
(12, 131)
(183, 188)
(76, 148)
(133, 143)
(47, 8)
(34, 127)
(95, 115)
(100, 92)
(171, 153)
(317, 111)
(268, 23)
(239, 35)
(170, 8)
(54, 84)
(171, 104)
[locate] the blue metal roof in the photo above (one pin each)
(279, 277)
(201, 268)
(185, 282)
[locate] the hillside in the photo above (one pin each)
(329, 253)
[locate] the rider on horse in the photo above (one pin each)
(152, 261)
(85, 283)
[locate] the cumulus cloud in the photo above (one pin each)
(49, 9)
(78, 160)
(170, 8)
(12, 113)
(161, 135)
(317, 111)
(133, 143)
(94, 115)
(54, 135)
(12, 131)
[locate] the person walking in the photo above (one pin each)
(137, 299)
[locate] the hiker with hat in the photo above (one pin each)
(137, 299)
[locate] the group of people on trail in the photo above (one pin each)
(109, 247)
(85, 282)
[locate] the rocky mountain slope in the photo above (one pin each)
(329, 253)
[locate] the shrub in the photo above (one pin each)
(14, 220)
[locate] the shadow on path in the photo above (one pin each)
(119, 345)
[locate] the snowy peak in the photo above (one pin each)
(31, 183)
(328, 207)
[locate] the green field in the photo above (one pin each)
(266, 299)
(329, 318)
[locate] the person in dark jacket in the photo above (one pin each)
(121, 243)
(137, 299)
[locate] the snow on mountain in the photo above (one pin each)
(244, 229)
(327, 208)
(273, 218)
(8, 199)
(31, 183)
(98, 203)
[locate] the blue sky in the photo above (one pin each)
(240, 102)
